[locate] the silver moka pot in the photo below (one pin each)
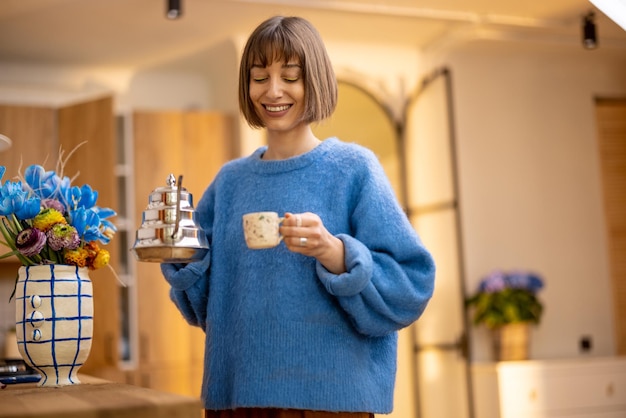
(169, 232)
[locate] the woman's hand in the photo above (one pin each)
(306, 234)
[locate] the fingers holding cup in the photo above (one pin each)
(299, 231)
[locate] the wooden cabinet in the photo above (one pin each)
(581, 388)
(196, 145)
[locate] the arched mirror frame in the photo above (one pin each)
(432, 197)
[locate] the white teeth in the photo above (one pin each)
(277, 108)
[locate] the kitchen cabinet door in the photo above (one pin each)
(581, 388)
(86, 131)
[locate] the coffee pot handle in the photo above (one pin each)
(179, 189)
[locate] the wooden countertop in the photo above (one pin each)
(94, 398)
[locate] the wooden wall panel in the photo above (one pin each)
(33, 133)
(611, 119)
(196, 145)
(94, 163)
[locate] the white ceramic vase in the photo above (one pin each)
(54, 320)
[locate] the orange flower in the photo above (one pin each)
(77, 257)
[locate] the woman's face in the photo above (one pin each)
(277, 92)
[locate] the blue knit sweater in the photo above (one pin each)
(281, 330)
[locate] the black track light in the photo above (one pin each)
(174, 9)
(590, 40)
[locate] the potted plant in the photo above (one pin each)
(56, 231)
(506, 303)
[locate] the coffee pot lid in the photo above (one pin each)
(171, 184)
(170, 194)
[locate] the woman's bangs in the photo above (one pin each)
(270, 49)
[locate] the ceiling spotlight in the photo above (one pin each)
(174, 9)
(590, 40)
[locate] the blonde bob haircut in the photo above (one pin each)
(290, 39)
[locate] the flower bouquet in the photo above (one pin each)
(46, 220)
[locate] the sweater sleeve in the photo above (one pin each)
(390, 274)
(189, 289)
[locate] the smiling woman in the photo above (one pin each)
(307, 327)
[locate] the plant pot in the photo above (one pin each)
(54, 320)
(511, 342)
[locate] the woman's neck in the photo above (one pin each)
(283, 145)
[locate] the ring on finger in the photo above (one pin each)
(303, 241)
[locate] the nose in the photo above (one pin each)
(275, 88)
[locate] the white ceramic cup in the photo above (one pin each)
(261, 229)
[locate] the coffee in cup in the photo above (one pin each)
(261, 229)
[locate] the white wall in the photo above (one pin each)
(530, 181)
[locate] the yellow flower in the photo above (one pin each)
(47, 218)
(101, 259)
(77, 257)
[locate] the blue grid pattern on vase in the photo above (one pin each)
(57, 320)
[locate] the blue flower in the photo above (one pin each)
(71, 196)
(494, 282)
(88, 197)
(36, 178)
(104, 214)
(29, 209)
(88, 225)
(46, 184)
(498, 281)
(524, 280)
(15, 201)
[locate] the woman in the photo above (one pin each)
(307, 328)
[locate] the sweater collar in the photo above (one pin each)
(295, 163)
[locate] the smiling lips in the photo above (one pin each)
(277, 108)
